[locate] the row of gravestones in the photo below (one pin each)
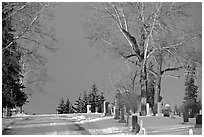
(107, 109)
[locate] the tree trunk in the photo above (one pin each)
(143, 83)
(158, 84)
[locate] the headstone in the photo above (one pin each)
(104, 108)
(148, 109)
(116, 108)
(112, 110)
(190, 132)
(141, 124)
(143, 131)
(96, 109)
(88, 108)
(199, 119)
(109, 110)
(122, 116)
(159, 109)
(127, 121)
(185, 117)
(135, 125)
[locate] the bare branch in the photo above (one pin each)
(152, 72)
(126, 34)
(125, 20)
(142, 17)
(171, 46)
(163, 48)
(27, 28)
(171, 69)
(173, 76)
(40, 44)
(16, 11)
(131, 55)
(148, 37)
(125, 57)
(171, 54)
(113, 16)
(118, 15)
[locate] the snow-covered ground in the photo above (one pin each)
(153, 125)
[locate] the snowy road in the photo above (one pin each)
(46, 125)
(95, 124)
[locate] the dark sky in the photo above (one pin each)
(76, 66)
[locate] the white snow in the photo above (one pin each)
(110, 131)
(86, 120)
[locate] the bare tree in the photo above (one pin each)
(132, 30)
(34, 36)
(176, 58)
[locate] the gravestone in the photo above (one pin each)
(185, 117)
(190, 132)
(148, 109)
(112, 110)
(159, 109)
(199, 119)
(135, 125)
(109, 110)
(96, 109)
(104, 108)
(122, 116)
(88, 108)
(127, 121)
(116, 108)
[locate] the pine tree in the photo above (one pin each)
(93, 98)
(12, 87)
(100, 102)
(68, 108)
(61, 107)
(79, 105)
(191, 89)
(85, 100)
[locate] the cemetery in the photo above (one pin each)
(120, 113)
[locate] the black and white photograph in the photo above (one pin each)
(101, 68)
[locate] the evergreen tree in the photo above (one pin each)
(12, 87)
(85, 100)
(100, 102)
(94, 98)
(68, 108)
(79, 105)
(190, 87)
(190, 104)
(61, 107)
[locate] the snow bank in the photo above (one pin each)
(110, 131)
(86, 120)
